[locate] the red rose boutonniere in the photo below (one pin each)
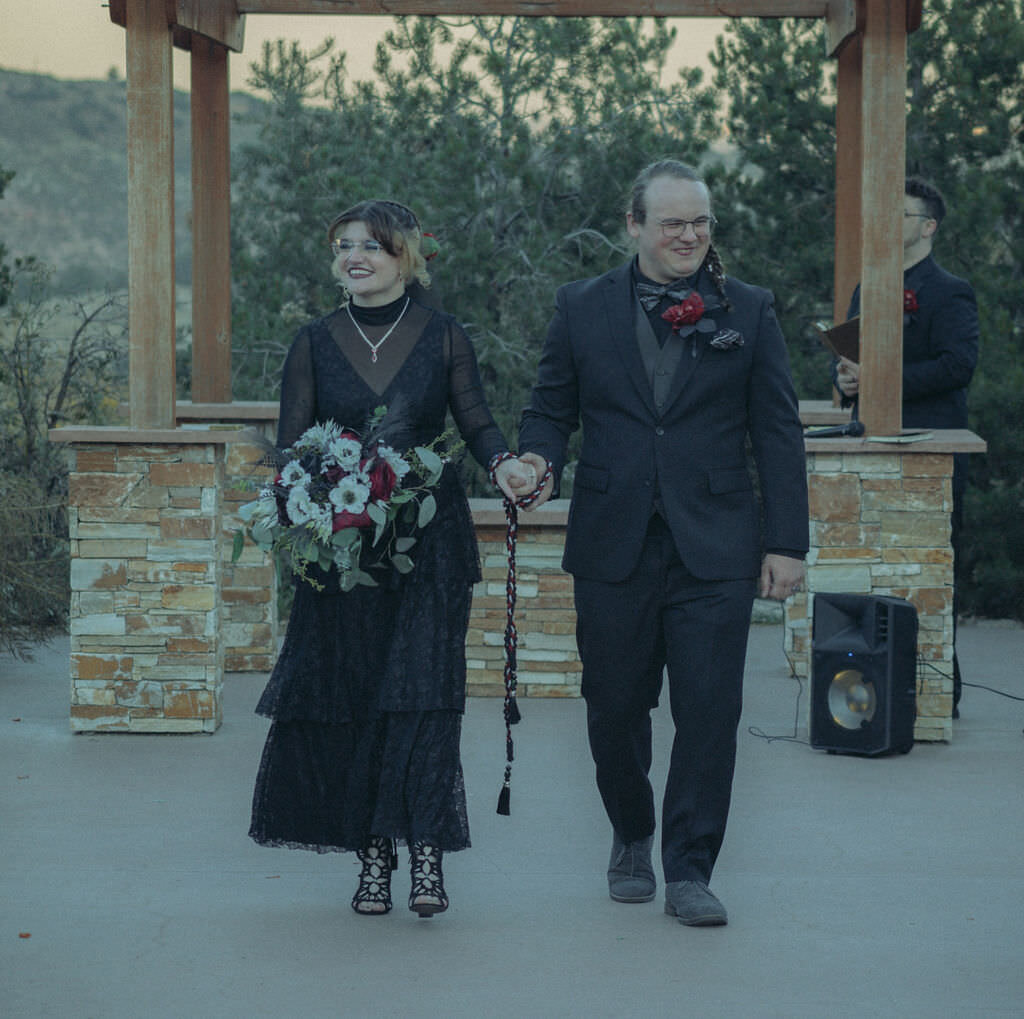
(909, 305)
(687, 313)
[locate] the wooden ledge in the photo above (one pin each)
(943, 440)
(118, 435)
(491, 513)
(823, 412)
(242, 410)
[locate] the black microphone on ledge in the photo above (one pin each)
(851, 428)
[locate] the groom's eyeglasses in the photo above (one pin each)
(702, 226)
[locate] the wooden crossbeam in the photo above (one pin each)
(216, 20)
(559, 8)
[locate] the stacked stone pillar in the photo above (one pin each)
(145, 512)
(880, 521)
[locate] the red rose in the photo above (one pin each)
(382, 480)
(345, 519)
(686, 313)
(909, 301)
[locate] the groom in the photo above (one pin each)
(671, 367)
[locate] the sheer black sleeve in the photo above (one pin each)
(298, 391)
(466, 399)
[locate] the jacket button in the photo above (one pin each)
(659, 431)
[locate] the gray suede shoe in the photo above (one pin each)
(694, 905)
(630, 874)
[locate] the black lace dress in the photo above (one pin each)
(368, 692)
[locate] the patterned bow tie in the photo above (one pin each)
(651, 294)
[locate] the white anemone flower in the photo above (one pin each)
(393, 460)
(301, 509)
(294, 476)
(350, 494)
(344, 452)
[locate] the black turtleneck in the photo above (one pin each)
(380, 314)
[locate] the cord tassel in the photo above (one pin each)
(511, 709)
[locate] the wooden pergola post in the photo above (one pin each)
(883, 144)
(211, 224)
(150, 98)
(846, 270)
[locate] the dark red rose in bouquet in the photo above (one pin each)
(382, 480)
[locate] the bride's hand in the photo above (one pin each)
(515, 478)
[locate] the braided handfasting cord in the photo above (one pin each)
(511, 707)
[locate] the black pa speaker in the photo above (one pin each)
(864, 670)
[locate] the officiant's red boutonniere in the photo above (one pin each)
(909, 305)
(690, 317)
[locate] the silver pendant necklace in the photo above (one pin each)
(374, 347)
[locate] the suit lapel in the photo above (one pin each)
(618, 304)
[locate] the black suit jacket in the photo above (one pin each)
(940, 347)
(693, 453)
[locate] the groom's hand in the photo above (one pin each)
(781, 576)
(539, 464)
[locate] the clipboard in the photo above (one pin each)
(844, 339)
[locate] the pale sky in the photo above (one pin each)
(76, 39)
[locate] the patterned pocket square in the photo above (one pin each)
(726, 339)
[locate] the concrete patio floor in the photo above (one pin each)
(856, 886)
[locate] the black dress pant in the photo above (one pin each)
(628, 633)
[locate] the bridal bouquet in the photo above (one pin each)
(346, 501)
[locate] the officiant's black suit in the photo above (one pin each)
(665, 535)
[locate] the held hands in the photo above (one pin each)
(848, 377)
(538, 465)
(515, 478)
(781, 576)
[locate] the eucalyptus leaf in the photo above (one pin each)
(404, 544)
(427, 510)
(345, 538)
(376, 514)
(364, 578)
(248, 510)
(263, 533)
(402, 563)
(430, 460)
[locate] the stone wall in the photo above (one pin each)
(146, 647)
(548, 663)
(249, 586)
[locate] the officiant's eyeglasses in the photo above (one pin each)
(702, 225)
(917, 215)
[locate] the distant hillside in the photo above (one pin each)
(65, 140)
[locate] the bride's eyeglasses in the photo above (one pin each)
(367, 247)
